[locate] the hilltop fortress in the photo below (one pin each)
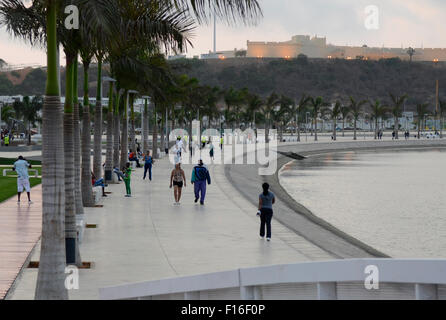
(316, 47)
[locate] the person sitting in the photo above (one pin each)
(98, 183)
(134, 157)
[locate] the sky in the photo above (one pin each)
(404, 23)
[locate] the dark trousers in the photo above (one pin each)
(200, 187)
(265, 219)
(148, 167)
(136, 160)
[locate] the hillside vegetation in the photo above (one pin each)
(331, 79)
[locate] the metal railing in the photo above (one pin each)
(421, 279)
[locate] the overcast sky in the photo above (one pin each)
(402, 22)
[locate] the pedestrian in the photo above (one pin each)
(134, 157)
(6, 140)
(266, 201)
(179, 145)
(393, 135)
(200, 175)
(177, 180)
(222, 140)
(148, 162)
(127, 177)
(211, 151)
(21, 167)
(98, 183)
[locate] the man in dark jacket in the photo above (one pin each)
(200, 175)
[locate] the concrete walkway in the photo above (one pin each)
(20, 229)
(146, 237)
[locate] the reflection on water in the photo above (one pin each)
(394, 201)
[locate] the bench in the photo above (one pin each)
(80, 227)
(97, 194)
(36, 172)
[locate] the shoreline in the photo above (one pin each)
(299, 218)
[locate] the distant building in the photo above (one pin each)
(223, 54)
(176, 57)
(317, 47)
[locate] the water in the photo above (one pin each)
(394, 201)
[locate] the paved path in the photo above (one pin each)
(147, 238)
(20, 229)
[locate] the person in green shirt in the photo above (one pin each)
(127, 177)
(6, 139)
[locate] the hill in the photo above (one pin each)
(331, 79)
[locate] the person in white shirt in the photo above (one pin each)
(21, 167)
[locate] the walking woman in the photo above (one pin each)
(177, 179)
(266, 201)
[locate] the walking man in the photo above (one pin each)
(148, 162)
(200, 175)
(21, 167)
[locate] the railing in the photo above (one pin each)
(421, 279)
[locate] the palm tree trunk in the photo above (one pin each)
(124, 133)
(71, 244)
(109, 150)
(132, 125)
(97, 144)
(145, 128)
(87, 192)
(77, 146)
(155, 136)
(376, 128)
(354, 133)
(397, 127)
(334, 129)
(315, 128)
(51, 276)
(116, 130)
(343, 127)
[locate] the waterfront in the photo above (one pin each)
(393, 201)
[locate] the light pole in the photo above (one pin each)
(145, 125)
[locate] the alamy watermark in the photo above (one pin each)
(72, 279)
(371, 21)
(231, 147)
(371, 281)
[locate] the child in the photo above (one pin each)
(127, 174)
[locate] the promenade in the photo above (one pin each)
(147, 237)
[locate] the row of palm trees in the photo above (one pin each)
(232, 108)
(129, 36)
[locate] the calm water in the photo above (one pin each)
(394, 201)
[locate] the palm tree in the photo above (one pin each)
(299, 109)
(254, 104)
(316, 105)
(410, 52)
(398, 102)
(345, 112)
(51, 275)
(378, 111)
(356, 110)
(422, 110)
(334, 114)
(269, 104)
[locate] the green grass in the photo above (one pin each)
(8, 161)
(8, 187)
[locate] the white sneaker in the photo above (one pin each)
(262, 237)
(30, 202)
(268, 239)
